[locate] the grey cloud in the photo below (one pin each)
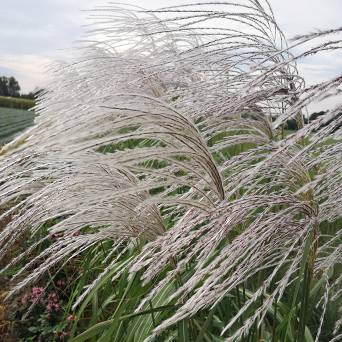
(34, 31)
(38, 26)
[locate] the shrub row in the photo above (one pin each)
(14, 102)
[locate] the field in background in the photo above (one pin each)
(13, 121)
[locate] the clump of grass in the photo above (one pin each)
(204, 221)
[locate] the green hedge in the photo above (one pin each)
(16, 102)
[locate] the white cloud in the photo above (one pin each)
(27, 69)
(32, 32)
(302, 16)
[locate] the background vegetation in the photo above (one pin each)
(16, 103)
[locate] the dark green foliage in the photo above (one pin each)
(9, 86)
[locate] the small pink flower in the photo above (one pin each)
(53, 297)
(71, 318)
(37, 291)
(55, 236)
(25, 298)
(53, 305)
(36, 294)
(60, 282)
(63, 335)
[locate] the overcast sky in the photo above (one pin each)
(35, 32)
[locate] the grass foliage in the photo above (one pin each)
(184, 210)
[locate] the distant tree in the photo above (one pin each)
(30, 95)
(13, 87)
(4, 86)
(9, 86)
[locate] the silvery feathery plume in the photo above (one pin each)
(179, 113)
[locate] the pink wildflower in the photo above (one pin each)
(63, 335)
(53, 305)
(25, 298)
(36, 294)
(55, 236)
(71, 318)
(60, 282)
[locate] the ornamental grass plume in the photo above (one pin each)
(165, 136)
